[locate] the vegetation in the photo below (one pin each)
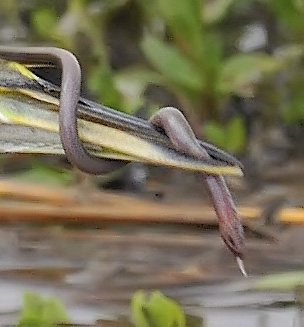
(203, 56)
(38, 311)
(155, 310)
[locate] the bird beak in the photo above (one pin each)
(30, 119)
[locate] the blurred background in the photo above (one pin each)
(235, 69)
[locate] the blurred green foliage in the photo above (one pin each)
(38, 311)
(153, 310)
(288, 281)
(191, 50)
(156, 310)
(43, 173)
(231, 136)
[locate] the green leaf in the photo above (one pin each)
(137, 305)
(165, 312)
(290, 53)
(288, 12)
(241, 72)
(132, 83)
(293, 111)
(169, 61)
(44, 21)
(42, 173)
(286, 281)
(101, 83)
(214, 10)
(54, 311)
(299, 5)
(37, 312)
(235, 135)
(156, 311)
(32, 306)
(109, 6)
(184, 20)
(215, 134)
(231, 137)
(211, 61)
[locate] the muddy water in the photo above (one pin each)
(95, 272)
